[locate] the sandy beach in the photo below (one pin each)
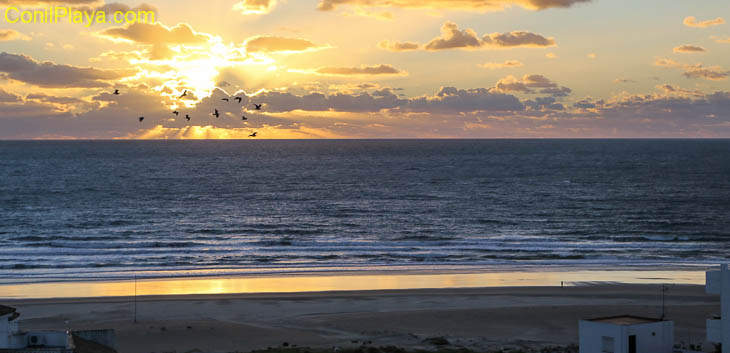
(477, 318)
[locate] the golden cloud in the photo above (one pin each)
(691, 21)
(473, 5)
(275, 44)
(453, 38)
(376, 70)
(502, 65)
(689, 49)
(7, 35)
(156, 33)
(254, 7)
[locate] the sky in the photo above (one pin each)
(366, 69)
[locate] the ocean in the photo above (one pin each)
(113, 209)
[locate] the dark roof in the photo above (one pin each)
(85, 346)
(626, 320)
(4, 310)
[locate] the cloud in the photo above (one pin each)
(377, 70)
(453, 38)
(110, 8)
(624, 80)
(448, 100)
(47, 74)
(689, 49)
(691, 21)
(254, 7)
(502, 65)
(399, 46)
(7, 35)
(156, 33)
(712, 73)
(6, 97)
(454, 100)
(471, 5)
(532, 84)
(517, 39)
(551, 56)
(708, 73)
(275, 44)
(722, 40)
(28, 3)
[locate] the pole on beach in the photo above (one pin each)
(135, 298)
(664, 289)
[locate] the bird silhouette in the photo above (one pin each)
(224, 99)
(176, 112)
(116, 91)
(258, 106)
(141, 118)
(244, 118)
(238, 99)
(184, 94)
(253, 135)
(187, 117)
(216, 114)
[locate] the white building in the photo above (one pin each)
(626, 334)
(718, 329)
(8, 325)
(11, 338)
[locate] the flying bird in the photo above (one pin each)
(116, 91)
(141, 118)
(216, 113)
(224, 99)
(184, 94)
(253, 134)
(176, 112)
(187, 117)
(258, 106)
(244, 118)
(238, 99)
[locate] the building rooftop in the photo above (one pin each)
(626, 320)
(4, 310)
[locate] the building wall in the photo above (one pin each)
(718, 282)
(655, 337)
(591, 337)
(103, 337)
(4, 331)
(725, 307)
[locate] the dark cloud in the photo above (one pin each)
(6, 97)
(47, 74)
(532, 84)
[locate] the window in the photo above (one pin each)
(607, 344)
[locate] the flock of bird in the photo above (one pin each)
(215, 111)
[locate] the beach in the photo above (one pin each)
(475, 318)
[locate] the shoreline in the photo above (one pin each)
(346, 281)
